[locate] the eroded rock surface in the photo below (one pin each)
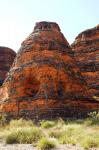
(7, 56)
(45, 76)
(86, 53)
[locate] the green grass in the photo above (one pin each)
(24, 136)
(76, 132)
(47, 124)
(55, 134)
(20, 123)
(12, 138)
(46, 144)
(90, 141)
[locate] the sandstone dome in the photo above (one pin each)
(44, 76)
(7, 56)
(86, 53)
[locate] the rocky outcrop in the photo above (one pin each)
(7, 56)
(45, 76)
(86, 53)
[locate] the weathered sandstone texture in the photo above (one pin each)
(44, 76)
(86, 53)
(7, 56)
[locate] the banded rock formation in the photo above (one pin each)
(44, 75)
(86, 53)
(7, 56)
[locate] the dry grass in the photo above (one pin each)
(46, 144)
(82, 132)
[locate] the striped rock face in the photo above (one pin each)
(44, 74)
(7, 56)
(86, 52)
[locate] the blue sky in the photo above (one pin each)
(18, 17)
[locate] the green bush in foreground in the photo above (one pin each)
(46, 144)
(65, 139)
(12, 138)
(89, 142)
(24, 136)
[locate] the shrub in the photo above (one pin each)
(56, 134)
(20, 123)
(93, 118)
(26, 135)
(46, 144)
(12, 138)
(47, 124)
(89, 142)
(65, 139)
(71, 134)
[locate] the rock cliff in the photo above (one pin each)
(45, 76)
(7, 56)
(86, 53)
